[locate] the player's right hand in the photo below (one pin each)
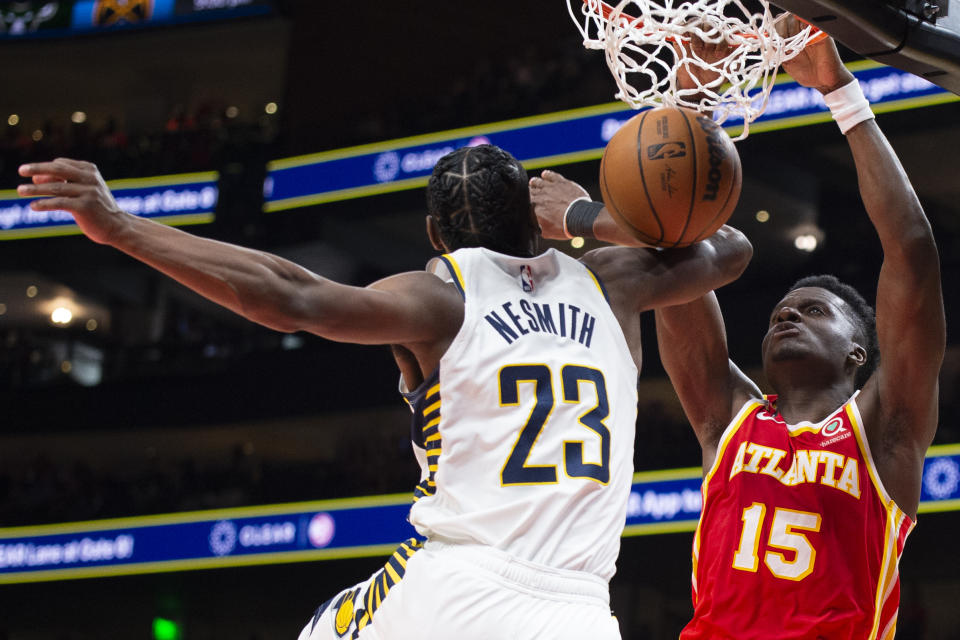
(819, 65)
(77, 187)
(550, 195)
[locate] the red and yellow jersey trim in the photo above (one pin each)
(897, 527)
(745, 412)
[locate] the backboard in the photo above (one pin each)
(919, 36)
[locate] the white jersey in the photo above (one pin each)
(525, 431)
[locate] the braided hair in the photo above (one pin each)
(480, 197)
(862, 315)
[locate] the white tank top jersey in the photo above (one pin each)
(525, 431)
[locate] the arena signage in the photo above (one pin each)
(55, 18)
(551, 139)
(659, 502)
(175, 200)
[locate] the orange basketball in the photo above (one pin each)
(670, 176)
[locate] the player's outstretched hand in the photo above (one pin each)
(77, 187)
(819, 65)
(551, 194)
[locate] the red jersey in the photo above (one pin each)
(797, 537)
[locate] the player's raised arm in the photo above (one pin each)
(404, 309)
(692, 341)
(911, 328)
(899, 401)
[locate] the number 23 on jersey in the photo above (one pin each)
(516, 470)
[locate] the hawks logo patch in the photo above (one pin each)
(344, 617)
(832, 428)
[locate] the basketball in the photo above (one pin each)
(670, 176)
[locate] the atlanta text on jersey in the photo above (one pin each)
(805, 467)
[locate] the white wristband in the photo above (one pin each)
(849, 106)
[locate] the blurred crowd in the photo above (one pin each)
(534, 81)
(367, 460)
(198, 140)
(43, 490)
(371, 459)
(204, 137)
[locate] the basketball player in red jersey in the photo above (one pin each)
(809, 494)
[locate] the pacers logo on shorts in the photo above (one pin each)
(344, 617)
(666, 150)
(110, 12)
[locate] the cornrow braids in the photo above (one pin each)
(480, 197)
(862, 314)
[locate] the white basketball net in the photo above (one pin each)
(650, 44)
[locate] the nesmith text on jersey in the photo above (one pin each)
(560, 319)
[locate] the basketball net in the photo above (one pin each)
(651, 45)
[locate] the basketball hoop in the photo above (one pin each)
(651, 44)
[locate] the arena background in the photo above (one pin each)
(151, 400)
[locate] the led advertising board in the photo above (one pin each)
(182, 199)
(48, 18)
(551, 139)
(660, 502)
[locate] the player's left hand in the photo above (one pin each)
(819, 65)
(699, 71)
(550, 195)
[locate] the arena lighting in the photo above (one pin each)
(92, 325)
(232, 112)
(805, 242)
(13, 120)
(32, 291)
(763, 215)
(3, 308)
(37, 135)
(61, 316)
(66, 366)
(78, 117)
(271, 108)
(577, 242)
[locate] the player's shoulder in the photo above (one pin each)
(427, 283)
(623, 272)
(618, 261)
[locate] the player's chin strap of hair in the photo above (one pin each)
(848, 105)
(579, 217)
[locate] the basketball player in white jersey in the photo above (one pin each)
(520, 367)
